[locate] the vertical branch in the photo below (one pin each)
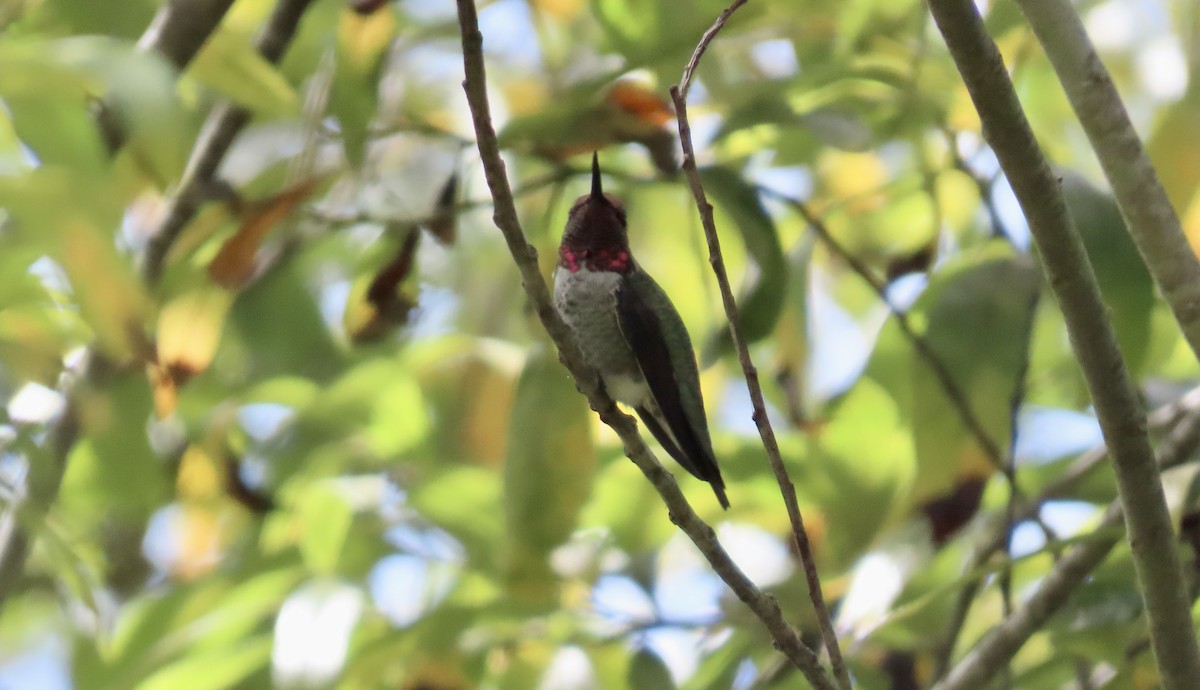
(1118, 409)
(525, 257)
(763, 422)
(1153, 223)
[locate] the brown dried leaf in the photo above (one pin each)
(234, 264)
(443, 224)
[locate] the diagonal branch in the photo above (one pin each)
(1175, 415)
(525, 256)
(761, 419)
(180, 28)
(1152, 222)
(958, 398)
(1003, 642)
(1118, 408)
(220, 129)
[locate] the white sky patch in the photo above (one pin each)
(1112, 25)
(1027, 538)
(312, 634)
(569, 670)
(1045, 434)
(404, 588)
(679, 649)
(35, 404)
(686, 589)
(776, 59)
(877, 580)
(761, 555)
(619, 597)
(1162, 68)
(1068, 518)
(839, 356)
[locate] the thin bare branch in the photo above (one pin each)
(958, 398)
(525, 256)
(761, 419)
(685, 82)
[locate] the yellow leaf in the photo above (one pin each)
(199, 535)
(199, 476)
(362, 39)
(230, 64)
(189, 331)
(111, 299)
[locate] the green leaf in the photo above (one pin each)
(466, 502)
(648, 672)
(548, 471)
(213, 669)
(362, 43)
(325, 518)
(869, 461)
(762, 298)
(1125, 283)
(230, 64)
(977, 313)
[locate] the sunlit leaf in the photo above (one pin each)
(362, 42)
(189, 330)
(213, 669)
(230, 64)
(325, 520)
(111, 298)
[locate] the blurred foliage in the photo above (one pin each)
(323, 451)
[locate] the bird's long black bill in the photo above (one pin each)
(597, 191)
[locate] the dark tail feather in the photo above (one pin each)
(664, 439)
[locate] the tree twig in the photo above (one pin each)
(180, 28)
(220, 129)
(1118, 407)
(765, 430)
(1152, 221)
(525, 257)
(958, 398)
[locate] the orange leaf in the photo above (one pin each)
(641, 102)
(234, 264)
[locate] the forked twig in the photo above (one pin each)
(765, 430)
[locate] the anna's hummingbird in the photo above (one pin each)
(630, 332)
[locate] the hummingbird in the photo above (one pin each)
(630, 332)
